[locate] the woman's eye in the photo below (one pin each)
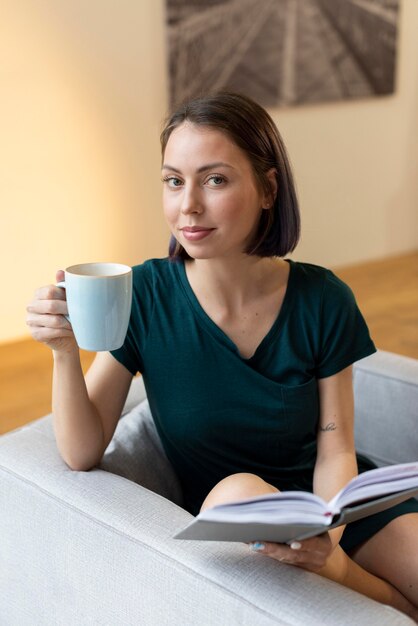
(172, 181)
(216, 180)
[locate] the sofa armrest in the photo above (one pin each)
(386, 408)
(96, 548)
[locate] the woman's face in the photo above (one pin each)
(211, 199)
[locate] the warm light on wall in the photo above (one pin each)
(67, 193)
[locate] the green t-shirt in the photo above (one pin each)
(218, 413)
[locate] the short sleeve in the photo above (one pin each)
(344, 335)
(131, 353)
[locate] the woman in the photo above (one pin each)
(246, 357)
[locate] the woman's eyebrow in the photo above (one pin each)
(203, 168)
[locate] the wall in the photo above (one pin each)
(356, 166)
(82, 99)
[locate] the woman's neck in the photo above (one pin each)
(234, 282)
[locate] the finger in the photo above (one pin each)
(50, 292)
(315, 550)
(286, 554)
(47, 321)
(314, 542)
(60, 276)
(321, 543)
(279, 551)
(306, 559)
(312, 561)
(48, 334)
(48, 307)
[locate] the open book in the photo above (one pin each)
(283, 517)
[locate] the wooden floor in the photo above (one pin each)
(387, 294)
(386, 291)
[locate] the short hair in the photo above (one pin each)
(252, 129)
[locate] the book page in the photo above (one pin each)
(374, 483)
(287, 507)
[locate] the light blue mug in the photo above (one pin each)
(99, 298)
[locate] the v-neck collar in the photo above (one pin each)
(218, 333)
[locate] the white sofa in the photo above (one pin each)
(84, 548)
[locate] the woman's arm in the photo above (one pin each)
(335, 466)
(86, 411)
(336, 459)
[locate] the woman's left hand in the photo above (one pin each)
(310, 554)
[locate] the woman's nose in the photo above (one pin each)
(191, 201)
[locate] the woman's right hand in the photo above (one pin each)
(46, 319)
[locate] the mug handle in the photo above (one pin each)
(62, 286)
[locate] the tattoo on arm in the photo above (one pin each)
(330, 426)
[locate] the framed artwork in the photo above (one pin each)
(282, 52)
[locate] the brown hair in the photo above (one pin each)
(252, 129)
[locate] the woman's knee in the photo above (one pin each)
(237, 487)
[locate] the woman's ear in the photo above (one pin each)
(269, 198)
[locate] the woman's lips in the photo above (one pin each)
(195, 233)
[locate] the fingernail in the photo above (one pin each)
(257, 546)
(295, 545)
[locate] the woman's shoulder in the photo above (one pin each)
(159, 278)
(153, 268)
(313, 273)
(319, 280)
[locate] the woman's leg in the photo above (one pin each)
(392, 554)
(237, 487)
(344, 570)
(369, 571)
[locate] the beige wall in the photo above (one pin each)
(356, 165)
(82, 98)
